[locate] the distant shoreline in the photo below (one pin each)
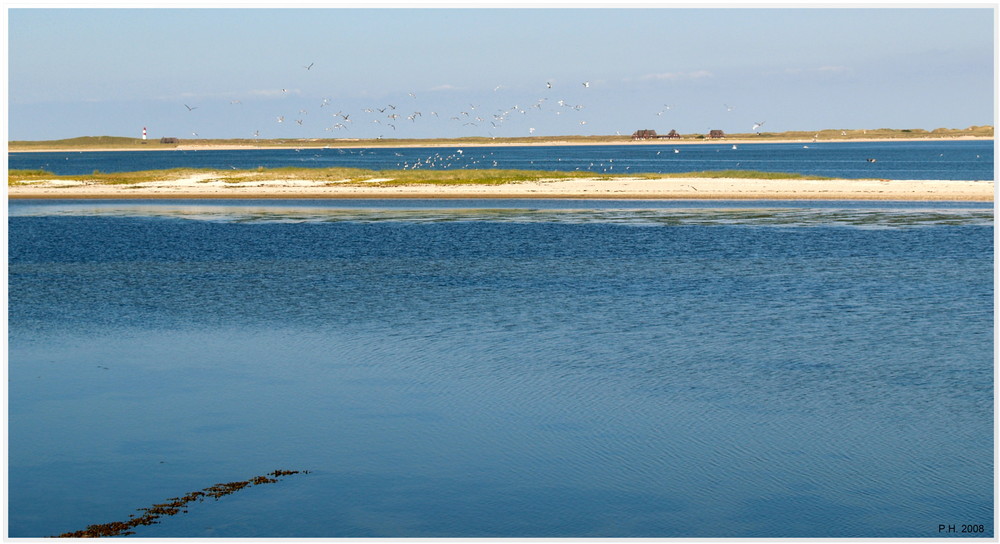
(436, 143)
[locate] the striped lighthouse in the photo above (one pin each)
(143, 133)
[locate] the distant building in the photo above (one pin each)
(169, 141)
(716, 134)
(644, 134)
(673, 135)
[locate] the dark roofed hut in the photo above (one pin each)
(169, 141)
(714, 134)
(645, 134)
(673, 135)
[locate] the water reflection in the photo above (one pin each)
(673, 214)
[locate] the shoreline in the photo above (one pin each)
(347, 144)
(624, 188)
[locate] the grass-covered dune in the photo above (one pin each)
(386, 178)
(119, 142)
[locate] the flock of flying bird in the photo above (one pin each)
(392, 116)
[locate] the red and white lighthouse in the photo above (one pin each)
(143, 133)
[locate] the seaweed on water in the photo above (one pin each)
(174, 505)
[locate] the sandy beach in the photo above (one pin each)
(203, 186)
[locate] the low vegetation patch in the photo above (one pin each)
(173, 506)
(19, 177)
(739, 174)
(473, 177)
(369, 178)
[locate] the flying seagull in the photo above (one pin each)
(310, 66)
(586, 84)
(190, 108)
(758, 124)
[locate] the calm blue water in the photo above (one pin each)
(502, 368)
(958, 160)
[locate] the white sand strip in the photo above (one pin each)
(202, 186)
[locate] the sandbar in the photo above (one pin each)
(620, 188)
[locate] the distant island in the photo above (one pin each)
(642, 136)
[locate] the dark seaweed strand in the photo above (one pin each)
(173, 506)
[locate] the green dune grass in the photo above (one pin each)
(386, 178)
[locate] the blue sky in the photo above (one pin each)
(485, 71)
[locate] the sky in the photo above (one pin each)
(420, 72)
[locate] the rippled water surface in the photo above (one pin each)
(463, 369)
(929, 159)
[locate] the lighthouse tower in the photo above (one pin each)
(144, 133)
